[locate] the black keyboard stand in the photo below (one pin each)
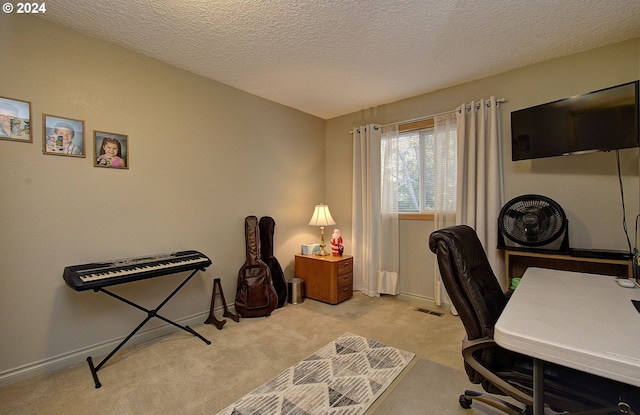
(150, 314)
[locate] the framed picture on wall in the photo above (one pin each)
(15, 120)
(110, 150)
(62, 136)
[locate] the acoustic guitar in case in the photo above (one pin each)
(255, 296)
(267, 229)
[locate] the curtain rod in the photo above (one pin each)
(427, 117)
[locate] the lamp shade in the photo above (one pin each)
(321, 216)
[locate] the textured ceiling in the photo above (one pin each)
(333, 57)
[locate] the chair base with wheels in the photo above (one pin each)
(467, 398)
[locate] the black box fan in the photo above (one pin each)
(533, 223)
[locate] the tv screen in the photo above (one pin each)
(598, 121)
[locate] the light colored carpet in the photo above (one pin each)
(178, 374)
(342, 378)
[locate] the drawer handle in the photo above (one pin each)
(344, 290)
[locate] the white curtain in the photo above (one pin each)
(375, 210)
(480, 174)
(445, 184)
(478, 193)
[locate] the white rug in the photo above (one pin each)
(343, 378)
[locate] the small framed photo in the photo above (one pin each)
(15, 120)
(110, 150)
(62, 136)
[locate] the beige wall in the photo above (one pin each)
(586, 186)
(203, 156)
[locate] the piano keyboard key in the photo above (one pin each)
(138, 269)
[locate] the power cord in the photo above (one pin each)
(624, 210)
(635, 265)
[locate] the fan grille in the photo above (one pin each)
(532, 220)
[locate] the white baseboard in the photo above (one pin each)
(62, 361)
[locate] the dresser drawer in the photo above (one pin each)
(345, 293)
(345, 267)
(345, 280)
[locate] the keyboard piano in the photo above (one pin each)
(97, 275)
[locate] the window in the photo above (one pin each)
(417, 157)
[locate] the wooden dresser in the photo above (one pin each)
(326, 278)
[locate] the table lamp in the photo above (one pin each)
(321, 217)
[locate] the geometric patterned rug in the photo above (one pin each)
(343, 378)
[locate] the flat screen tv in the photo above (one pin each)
(602, 120)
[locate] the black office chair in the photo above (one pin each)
(478, 298)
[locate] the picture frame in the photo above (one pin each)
(15, 120)
(62, 136)
(110, 150)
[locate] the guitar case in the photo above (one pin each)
(255, 295)
(267, 229)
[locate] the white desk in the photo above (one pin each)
(582, 321)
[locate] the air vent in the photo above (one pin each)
(432, 312)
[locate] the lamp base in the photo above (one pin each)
(322, 252)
